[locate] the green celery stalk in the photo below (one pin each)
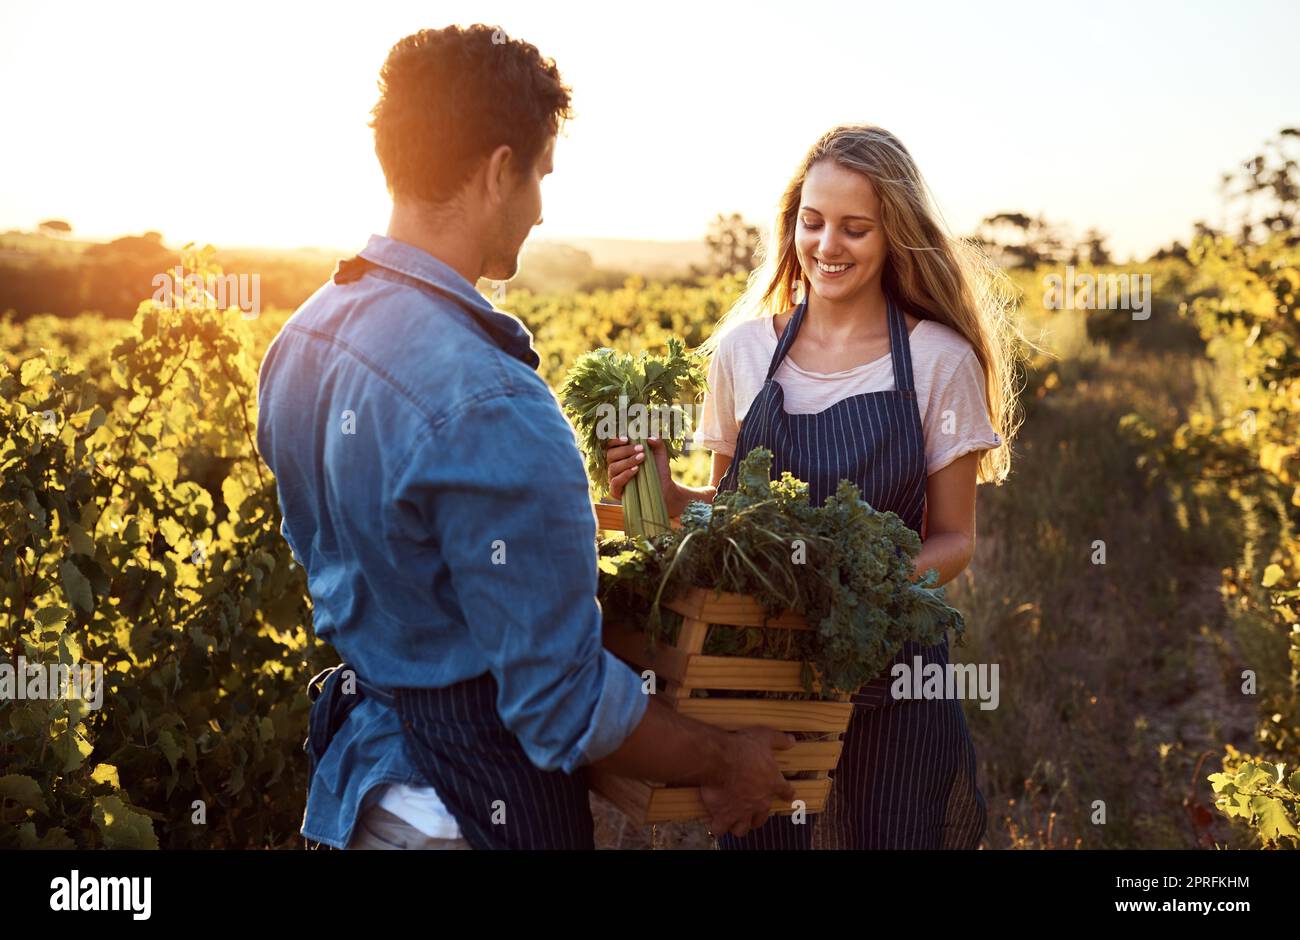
(604, 379)
(644, 510)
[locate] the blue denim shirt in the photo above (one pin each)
(435, 495)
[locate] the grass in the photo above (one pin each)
(1113, 674)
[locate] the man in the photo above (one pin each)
(435, 495)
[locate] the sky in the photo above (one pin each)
(246, 123)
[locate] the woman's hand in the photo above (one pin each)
(624, 460)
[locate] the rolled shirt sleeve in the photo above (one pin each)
(719, 429)
(958, 419)
(500, 488)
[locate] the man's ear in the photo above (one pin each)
(497, 173)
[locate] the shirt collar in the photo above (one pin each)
(504, 330)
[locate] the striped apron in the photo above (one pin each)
(906, 775)
(457, 741)
(500, 799)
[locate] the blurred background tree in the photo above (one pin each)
(55, 227)
(1092, 249)
(732, 243)
(1262, 197)
(1016, 240)
(120, 272)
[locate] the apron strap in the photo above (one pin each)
(900, 347)
(787, 339)
(504, 330)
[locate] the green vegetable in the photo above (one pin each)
(609, 394)
(846, 567)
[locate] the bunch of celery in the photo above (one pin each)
(603, 388)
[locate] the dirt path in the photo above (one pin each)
(1189, 724)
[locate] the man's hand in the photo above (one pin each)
(736, 771)
(741, 799)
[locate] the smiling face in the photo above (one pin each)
(838, 237)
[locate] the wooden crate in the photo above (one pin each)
(681, 668)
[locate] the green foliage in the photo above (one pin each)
(1261, 794)
(139, 531)
(606, 388)
(602, 379)
(846, 567)
(1236, 461)
(47, 272)
(634, 317)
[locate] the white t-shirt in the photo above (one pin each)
(946, 374)
(421, 808)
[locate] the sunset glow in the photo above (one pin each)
(250, 127)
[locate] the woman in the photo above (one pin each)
(869, 346)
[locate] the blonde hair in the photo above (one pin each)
(933, 275)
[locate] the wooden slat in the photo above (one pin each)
(736, 610)
(645, 803)
(680, 804)
(630, 796)
(804, 757)
(733, 713)
(690, 638)
(809, 755)
(609, 516)
(739, 672)
(696, 671)
(690, 671)
(669, 663)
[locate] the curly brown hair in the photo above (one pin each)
(449, 97)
